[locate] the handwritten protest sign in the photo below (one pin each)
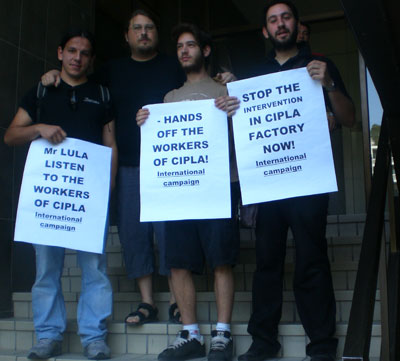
(184, 162)
(281, 135)
(64, 195)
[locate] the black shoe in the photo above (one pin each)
(325, 357)
(257, 353)
(183, 348)
(221, 348)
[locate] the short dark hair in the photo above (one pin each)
(81, 33)
(203, 39)
(288, 3)
(143, 13)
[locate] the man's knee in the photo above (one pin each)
(223, 270)
(223, 274)
(92, 265)
(177, 273)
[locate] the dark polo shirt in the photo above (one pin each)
(80, 111)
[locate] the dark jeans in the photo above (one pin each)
(137, 238)
(312, 284)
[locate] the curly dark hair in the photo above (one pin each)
(203, 39)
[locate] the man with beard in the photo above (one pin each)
(189, 242)
(143, 78)
(306, 216)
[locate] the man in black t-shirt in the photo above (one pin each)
(141, 79)
(75, 109)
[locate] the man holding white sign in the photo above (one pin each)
(190, 242)
(305, 215)
(78, 109)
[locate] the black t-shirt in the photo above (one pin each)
(132, 85)
(301, 59)
(80, 111)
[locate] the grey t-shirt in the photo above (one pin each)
(205, 89)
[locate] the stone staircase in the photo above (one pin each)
(344, 235)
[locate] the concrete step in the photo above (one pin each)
(16, 335)
(340, 249)
(124, 303)
(343, 274)
(20, 356)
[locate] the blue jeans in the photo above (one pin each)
(95, 301)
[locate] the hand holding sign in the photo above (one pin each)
(228, 104)
(53, 133)
(318, 70)
(141, 116)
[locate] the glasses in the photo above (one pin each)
(139, 28)
(72, 99)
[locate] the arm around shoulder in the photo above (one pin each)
(51, 78)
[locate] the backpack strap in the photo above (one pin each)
(105, 98)
(40, 93)
(105, 94)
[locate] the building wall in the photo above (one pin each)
(30, 31)
(335, 40)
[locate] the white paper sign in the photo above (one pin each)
(184, 162)
(64, 195)
(281, 135)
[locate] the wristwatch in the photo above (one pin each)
(331, 87)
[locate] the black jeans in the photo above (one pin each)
(312, 284)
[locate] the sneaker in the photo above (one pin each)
(44, 349)
(221, 348)
(257, 353)
(183, 348)
(97, 350)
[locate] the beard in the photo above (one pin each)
(148, 49)
(287, 44)
(196, 66)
